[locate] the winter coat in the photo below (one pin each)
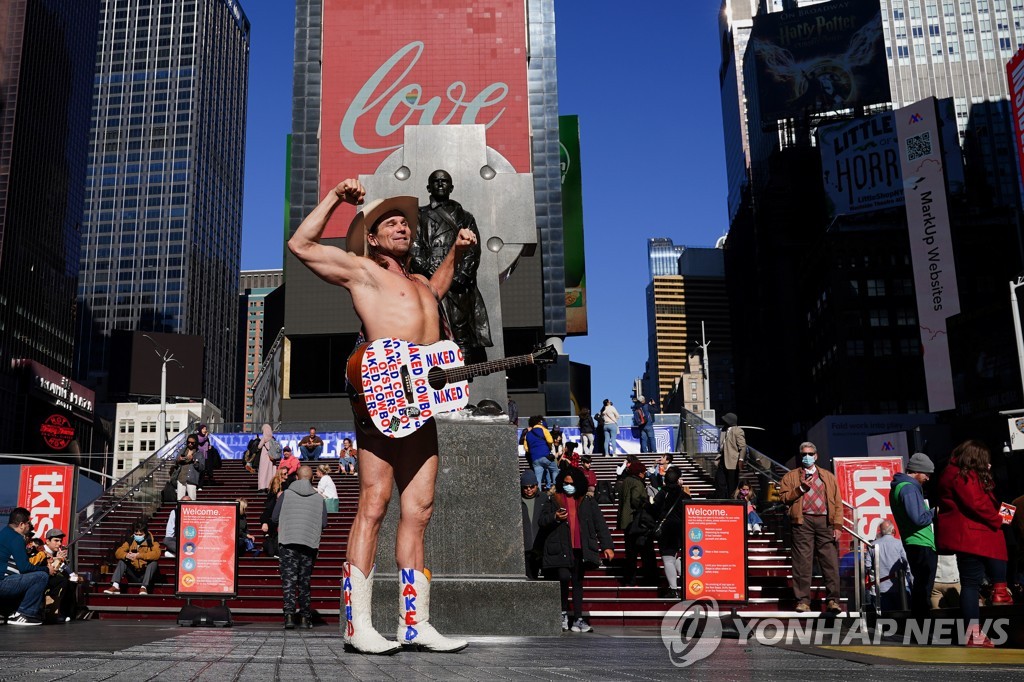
(791, 494)
(594, 534)
(195, 469)
(632, 494)
(968, 520)
(148, 551)
(301, 515)
(734, 447)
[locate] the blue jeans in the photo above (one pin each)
(346, 463)
(311, 453)
(610, 432)
(647, 441)
(973, 569)
(31, 586)
(542, 466)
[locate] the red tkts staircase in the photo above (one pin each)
(259, 592)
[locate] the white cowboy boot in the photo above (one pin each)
(359, 633)
(414, 628)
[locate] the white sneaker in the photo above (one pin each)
(565, 621)
(581, 626)
(750, 528)
(757, 527)
(169, 555)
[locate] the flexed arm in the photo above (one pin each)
(442, 277)
(329, 263)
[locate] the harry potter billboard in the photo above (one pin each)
(819, 58)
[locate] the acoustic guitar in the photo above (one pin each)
(403, 385)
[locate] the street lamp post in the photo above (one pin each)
(1016, 326)
(166, 356)
(707, 371)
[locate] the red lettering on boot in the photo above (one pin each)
(409, 590)
(410, 618)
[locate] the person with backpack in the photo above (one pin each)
(642, 425)
(270, 454)
(537, 442)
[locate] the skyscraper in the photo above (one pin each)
(161, 235)
(687, 290)
(47, 53)
(254, 285)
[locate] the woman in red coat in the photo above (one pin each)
(969, 525)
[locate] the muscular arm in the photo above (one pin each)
(329, 263)
(442, 278)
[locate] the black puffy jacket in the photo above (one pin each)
(594, 534)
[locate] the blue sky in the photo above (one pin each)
(645, 86)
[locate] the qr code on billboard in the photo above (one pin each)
(918, 146)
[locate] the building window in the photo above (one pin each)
(878, 318)
(883, 347)
(906, 318)
(876, 287)
(855, 349)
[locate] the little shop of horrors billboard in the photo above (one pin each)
(860, 163)
(819, 58)
(389, 64)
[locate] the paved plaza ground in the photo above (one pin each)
(159, 650)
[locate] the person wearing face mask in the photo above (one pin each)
(816, 512)
(137, 556)
(577, 539)
(189, 468)
(745, 493)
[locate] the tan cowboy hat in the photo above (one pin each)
(370, 213)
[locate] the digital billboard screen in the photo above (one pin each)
(819, 58)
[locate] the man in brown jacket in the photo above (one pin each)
(816, 510)
(138, 557)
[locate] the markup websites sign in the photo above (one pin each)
(931, 246)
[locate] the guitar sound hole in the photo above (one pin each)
(435, 377)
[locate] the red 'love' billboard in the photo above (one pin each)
(386, 65)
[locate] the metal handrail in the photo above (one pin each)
(859, 541)
(125, 488)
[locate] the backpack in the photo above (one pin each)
(604, 493)
(274, 449)
(639, 418)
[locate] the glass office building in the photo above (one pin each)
(47, 53)
(161, 235)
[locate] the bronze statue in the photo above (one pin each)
(440, 222)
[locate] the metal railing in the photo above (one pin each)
(141, 486)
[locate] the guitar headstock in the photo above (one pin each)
(544, 355)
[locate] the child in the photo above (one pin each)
(747, 495)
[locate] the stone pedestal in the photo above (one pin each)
(474, 543)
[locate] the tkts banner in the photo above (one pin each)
(864, 483)
(822, 57)
(931, 246)
(47, 491)
(389, 64)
